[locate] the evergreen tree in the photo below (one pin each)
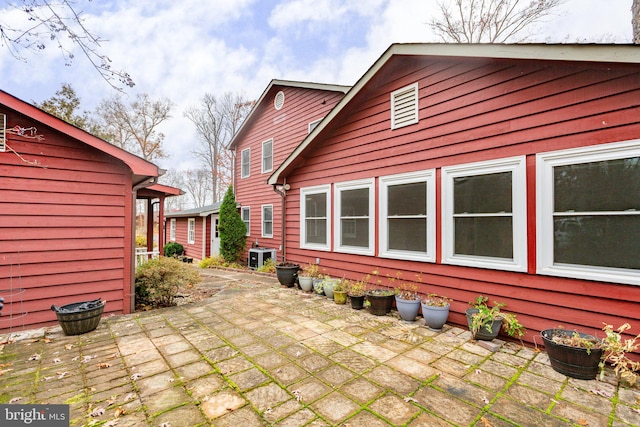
(233, 232)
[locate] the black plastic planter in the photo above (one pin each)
(287, 274)
(80, 317)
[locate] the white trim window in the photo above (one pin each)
(404, 106)
(267, 220)
(245, 163)
(588, 212)
(315, 218)
(245, 212)
(191, 231)
(484, 210)
(407, 216)
(267, 156)
(172, 230)
(354, 210)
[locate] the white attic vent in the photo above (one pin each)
(3, 133)
(404, 106)
(278, 102)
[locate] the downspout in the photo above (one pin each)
(132, 278)
(281, 190)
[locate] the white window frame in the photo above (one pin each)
(369, 184)
(396, 106)
(428, 176)
(263, 220)
(242, 155)
(247, 222)
(172, 229)
(267, 155)
(517, 167)
(321, 189)
(191, 231)
(314, 124)
(545, 162)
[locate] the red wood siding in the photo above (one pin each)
(193, 250)
(288, 127)
(65, 227)
(474, 110)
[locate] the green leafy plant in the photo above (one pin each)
(269, 266)
(486, 315)
(339, 286)
(233, 231)
(616, 350)
(218, 261)
(159, 280)
(434, 300)
(356, 288)
(173, 249)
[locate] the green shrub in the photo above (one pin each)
(218, 261)
(141, 241)
(173, 249)
(159, 280)
(269, 266)
(233, 232)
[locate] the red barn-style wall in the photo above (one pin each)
(200, 248)
(484, 113)
(282, 115)
(66, 217)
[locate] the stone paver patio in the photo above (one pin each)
(258, 354)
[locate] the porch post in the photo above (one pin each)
(161, 226)
(149, 226)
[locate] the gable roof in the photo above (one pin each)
(141, 168)
(284, 83)
(544, 52)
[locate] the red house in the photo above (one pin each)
(67, 212)
(511, 171)
(196, 230)
(283, 116)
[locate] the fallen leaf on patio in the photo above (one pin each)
(583, 422)
(135, 376)
(129, 397)
(485, 422)
(485, 400)
(75, 359)
(601, 392)
(48, 340)
(68, 346)
(119, 412)
(478, 371)
(111, 423)
(297, 394)
(113, 356)
(46, 378)
(171, 380)
(87, 359)
(35, 357)
(165, 425)
(97, 412)
(111, 400)
(103, 365)
(5, 365)
(15, 399)
(56, 360)
(61, 375)
(410, 399)
(268, 410)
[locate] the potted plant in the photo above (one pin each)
(355, 291)
(435, 310)
(306, 276)
(580, 355)
(339, 292)
(287, 273)
(485, 322)
(379, 301)
(327, 286)
(407, 301)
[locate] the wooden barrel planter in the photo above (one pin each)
(380, 301)
(575, 362)
(80, 317)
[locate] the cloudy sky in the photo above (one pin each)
(183, 49)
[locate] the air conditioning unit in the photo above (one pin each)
(258, 256)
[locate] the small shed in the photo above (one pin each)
(196, 230)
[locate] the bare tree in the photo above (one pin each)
(216, 121)
(174, 178)
(198, 185)
(635, 21)
(38, 23)
(489, 21)
(135, 127)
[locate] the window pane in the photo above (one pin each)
(354, 202)
(267, 214)
(316, 231)
(606, 241)
(483, 193)
(316, 205)
(355, 232)
(612, 185)
(407, 199)
(408, 234)
(485, 236)
(268, 228)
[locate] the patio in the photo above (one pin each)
(258, 354)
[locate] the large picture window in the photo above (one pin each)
(245, 163)
(407, 216)
(484, 214)
(267, 220)
(589, 212)
(315, 208)
(354, 211)
(267, 156)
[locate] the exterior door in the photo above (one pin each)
(215, 236)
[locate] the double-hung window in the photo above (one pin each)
(246, 218)
(355, 216)
(407, 216)
(315, 209)
(267, 156)
(484, 214)
(588, 212)
(172, 230)
(245, 163)
(191, 231)
(267, 220)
